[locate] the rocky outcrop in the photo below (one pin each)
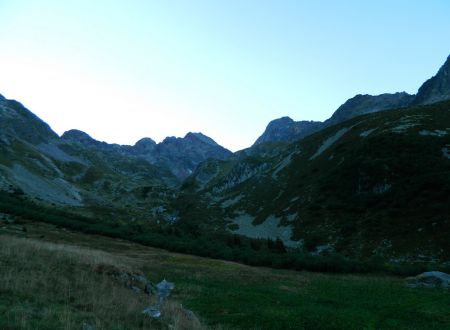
(429, 280)
(437, 88)
(286, 129)
(182, 155)
(144, 146)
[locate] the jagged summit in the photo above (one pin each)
(192, 137)
(184, 154)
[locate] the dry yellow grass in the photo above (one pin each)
(46, 285)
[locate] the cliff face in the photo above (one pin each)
(436, 88)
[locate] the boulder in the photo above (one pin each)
(152, 312)
(429, 280)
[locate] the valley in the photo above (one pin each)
(222, 295)
(314, 226)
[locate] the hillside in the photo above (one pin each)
(370, 182)
(377, 184)
(95, 178)
(435, 89)
(70, 286)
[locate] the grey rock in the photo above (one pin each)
(183, 155)
(288, 130)
(152, 312)
(429, 280)
(436, 88)
(164, 288)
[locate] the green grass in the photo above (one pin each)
(248, 298)
(58, 286)
(234, 296)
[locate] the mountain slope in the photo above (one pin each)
(77, 171)
(376, 184)
(364, 104)
(434, 90)
(18, 122)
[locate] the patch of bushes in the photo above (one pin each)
(270, 253)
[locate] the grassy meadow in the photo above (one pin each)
(48, 281)
(45, 285)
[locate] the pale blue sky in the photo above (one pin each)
(122, 70)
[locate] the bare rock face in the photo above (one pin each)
(286, 129)
(437, 88)
(178, 155)
(429, 280)
(182, 155)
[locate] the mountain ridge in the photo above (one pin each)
(344, 188)
(435, 89)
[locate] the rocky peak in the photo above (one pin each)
(433, 90)
(200, 137)
(182, 155)
(75, 135)
(194, 144)
(286, 129)
(144, 145)
(436, 88)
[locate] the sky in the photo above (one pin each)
(124, 70)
